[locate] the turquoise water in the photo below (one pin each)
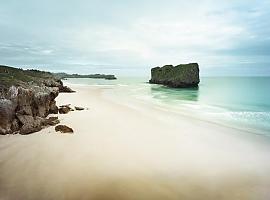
(241, 102)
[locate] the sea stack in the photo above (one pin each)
(180, 76)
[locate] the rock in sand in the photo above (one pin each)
(63, 129)
(79, 108)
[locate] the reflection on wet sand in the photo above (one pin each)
(173, 94)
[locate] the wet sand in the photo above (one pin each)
(133, 151)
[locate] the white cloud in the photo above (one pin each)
(136, 33)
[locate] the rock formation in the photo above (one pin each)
(65, 109)
(63, 129)
(183, 75)
(27, 97)
(65, 89)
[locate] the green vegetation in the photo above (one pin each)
(14, 76)
(183, 75)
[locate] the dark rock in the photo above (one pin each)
(184, 75)
(79, 108)
(53, 118)
(52, 121)
(67, 105)
(64, 109)
(63, 129)
(53, 108)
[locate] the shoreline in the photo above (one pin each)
(121, 152)
(179, 112)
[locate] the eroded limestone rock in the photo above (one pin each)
(183, 75)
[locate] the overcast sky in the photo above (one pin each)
(229, 37)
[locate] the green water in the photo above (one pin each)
(241, 102)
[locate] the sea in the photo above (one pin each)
(237, 102)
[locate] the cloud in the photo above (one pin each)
(135, 34)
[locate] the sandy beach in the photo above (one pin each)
(133, 151)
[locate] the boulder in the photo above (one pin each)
(79, 108)
(183, 75)
(64, 109)
(63, 129)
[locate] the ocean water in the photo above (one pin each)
(239, 102)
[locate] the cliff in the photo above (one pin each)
(27, 97)
(183, 75)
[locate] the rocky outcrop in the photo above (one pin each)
(183, 75)
(65, 89)
(27, 97)
(22, 110)
(58, 83)
(63, 129)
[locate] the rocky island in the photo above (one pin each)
(27, 97)
(180, 76)
(95, 76)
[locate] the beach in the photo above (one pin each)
(126, 149)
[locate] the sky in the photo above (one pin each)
(129, 37)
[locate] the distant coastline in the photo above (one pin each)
(95, 76)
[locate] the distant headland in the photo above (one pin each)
(95, 76)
